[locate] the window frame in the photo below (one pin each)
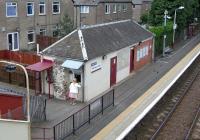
(119, 7)
(124, 7)
(55, 29)
(115, 8)
(33, 8)
(43, 4)
(43, 30)
(16, 15)
(55, 13)
(32, 32)
(13, 48)
(107, 7)
(84, 9)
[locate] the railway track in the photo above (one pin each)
(150, 127)
(194, 131)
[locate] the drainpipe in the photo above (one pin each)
(83, 83)
(153, 49)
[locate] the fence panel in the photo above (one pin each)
(64, 129)
(108, 99)
(96, 108)
(81, 117)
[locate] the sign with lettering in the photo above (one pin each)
(95, 66)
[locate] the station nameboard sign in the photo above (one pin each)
(95, 66)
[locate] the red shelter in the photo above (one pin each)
(37, 68)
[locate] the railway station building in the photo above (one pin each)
(98, 56)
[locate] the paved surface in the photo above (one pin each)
(133, 87)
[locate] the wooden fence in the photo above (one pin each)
(26, 58)
(18, 77)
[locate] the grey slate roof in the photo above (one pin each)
(100, 40)
(68, 48)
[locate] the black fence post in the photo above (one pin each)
(102, 104)
(113, 97)
(73, 124)
(89, 114)
(54, 132)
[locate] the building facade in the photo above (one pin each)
(116, 50)
(90, 12)
(140, 7)
(22, 20)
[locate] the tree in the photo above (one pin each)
(66, 26)
(184, 17)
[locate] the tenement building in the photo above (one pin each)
(21, 20)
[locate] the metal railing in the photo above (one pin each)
(78, 119)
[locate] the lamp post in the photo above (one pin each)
(27, 86)
(175, 25)
(165, 36)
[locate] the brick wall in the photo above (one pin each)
(147, 58)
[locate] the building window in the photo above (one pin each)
(30, 9)
(43, 31)
(11, 9)
(147, 50)
(84, 9)
(56, 7)
(124, 7)
(114, 8)
(138, 55)
(55, 31)
(31, 37)
(13, 41)
(119, 7)
(107, 9)
(42, 8)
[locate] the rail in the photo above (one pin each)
(193, 124)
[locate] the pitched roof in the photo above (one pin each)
(99, 40)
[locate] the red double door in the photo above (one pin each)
(113, 71)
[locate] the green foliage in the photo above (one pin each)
(184, 16)
(159, 33)
(144, 18)
(66, 26)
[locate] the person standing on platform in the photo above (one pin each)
(73, 91)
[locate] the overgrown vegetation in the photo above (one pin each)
(159, 31)
(155, 18)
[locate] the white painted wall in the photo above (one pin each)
(99, 81)
(14, 130)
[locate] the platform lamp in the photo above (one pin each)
(165, 24)
(175, 25)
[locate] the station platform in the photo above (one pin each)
(118, 128)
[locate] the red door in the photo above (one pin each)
(113, 71)
(132, 60)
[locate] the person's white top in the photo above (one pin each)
(73, 88)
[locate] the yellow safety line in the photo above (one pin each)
(156, 88)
